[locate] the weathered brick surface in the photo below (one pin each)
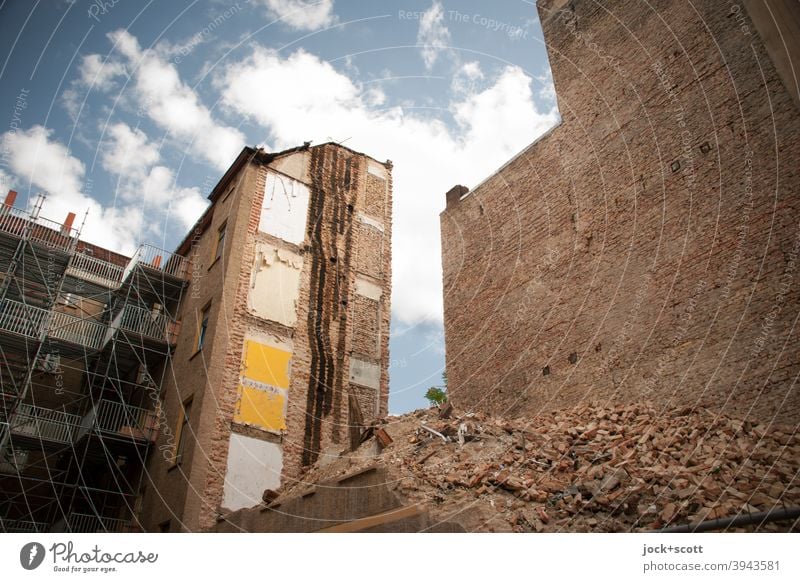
(370, 252)
(367, 401)
(647, 248)
(366, 327)
(375, 196)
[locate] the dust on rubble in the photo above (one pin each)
(589, 468)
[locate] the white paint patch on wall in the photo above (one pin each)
(368, 289)
(365, 373)
(269, 339)
(275, 284)
(378, 170)
(253, 466)
(285, 208)
(370, 221)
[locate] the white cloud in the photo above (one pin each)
(174, 106)
(433, 35)
(466, 78)
(150, 188)
(302, 14)
(128, 151)
(317, 101)
(159, 191)
(100, 73)
(44, 163)
(47, 166)
(547, 88)
(147, 198)
(6, 184)
(484, 116)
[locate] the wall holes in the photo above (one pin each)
(573, 358)
(546, 371)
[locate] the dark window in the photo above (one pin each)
(220, 242)
(183, 431)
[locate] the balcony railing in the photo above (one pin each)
(77, 330)
(28, 321)
(156, 259)
(46, 232)
(122, 420)
(21, 319)
(95, 270)
(44, 423)
(86, 523)
(148, 324)
(22, 526)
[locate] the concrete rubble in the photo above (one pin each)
(599, 468)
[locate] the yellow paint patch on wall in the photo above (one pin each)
(266, 364)
(261, 406)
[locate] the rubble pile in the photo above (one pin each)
(590, 468)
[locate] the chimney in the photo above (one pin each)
(67, 227)
(11, 197)
(455, 194)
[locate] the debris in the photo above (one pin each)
(446, 411)
(608, 467)
(383, 438)
(269, 496)
(433, 432)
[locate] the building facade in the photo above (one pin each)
(647, 247)
(233, 363)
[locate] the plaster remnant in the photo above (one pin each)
(365, 373)
(368, 289)
(376, 224)
(285, 208)
(253, 466)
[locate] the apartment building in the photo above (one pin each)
(158, 391)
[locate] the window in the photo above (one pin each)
(220, 247)
(202, 327)
(182, 432)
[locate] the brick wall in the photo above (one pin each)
(366, 327)
(333, 321)
(646, 248)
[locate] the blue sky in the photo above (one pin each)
(133, 110)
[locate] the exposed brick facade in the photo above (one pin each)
(329, 326)
(648, 247)
(366, 327)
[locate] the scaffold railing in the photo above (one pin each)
(148, 323)
(95, 270)
(44, 423)
(48, 233)
(123, 420)
(157, 259)
(28, 321)
(87, 523)
(22, 526)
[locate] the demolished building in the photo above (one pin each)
(647, 247)
(149, 393)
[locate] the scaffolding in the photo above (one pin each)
(85, 337)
